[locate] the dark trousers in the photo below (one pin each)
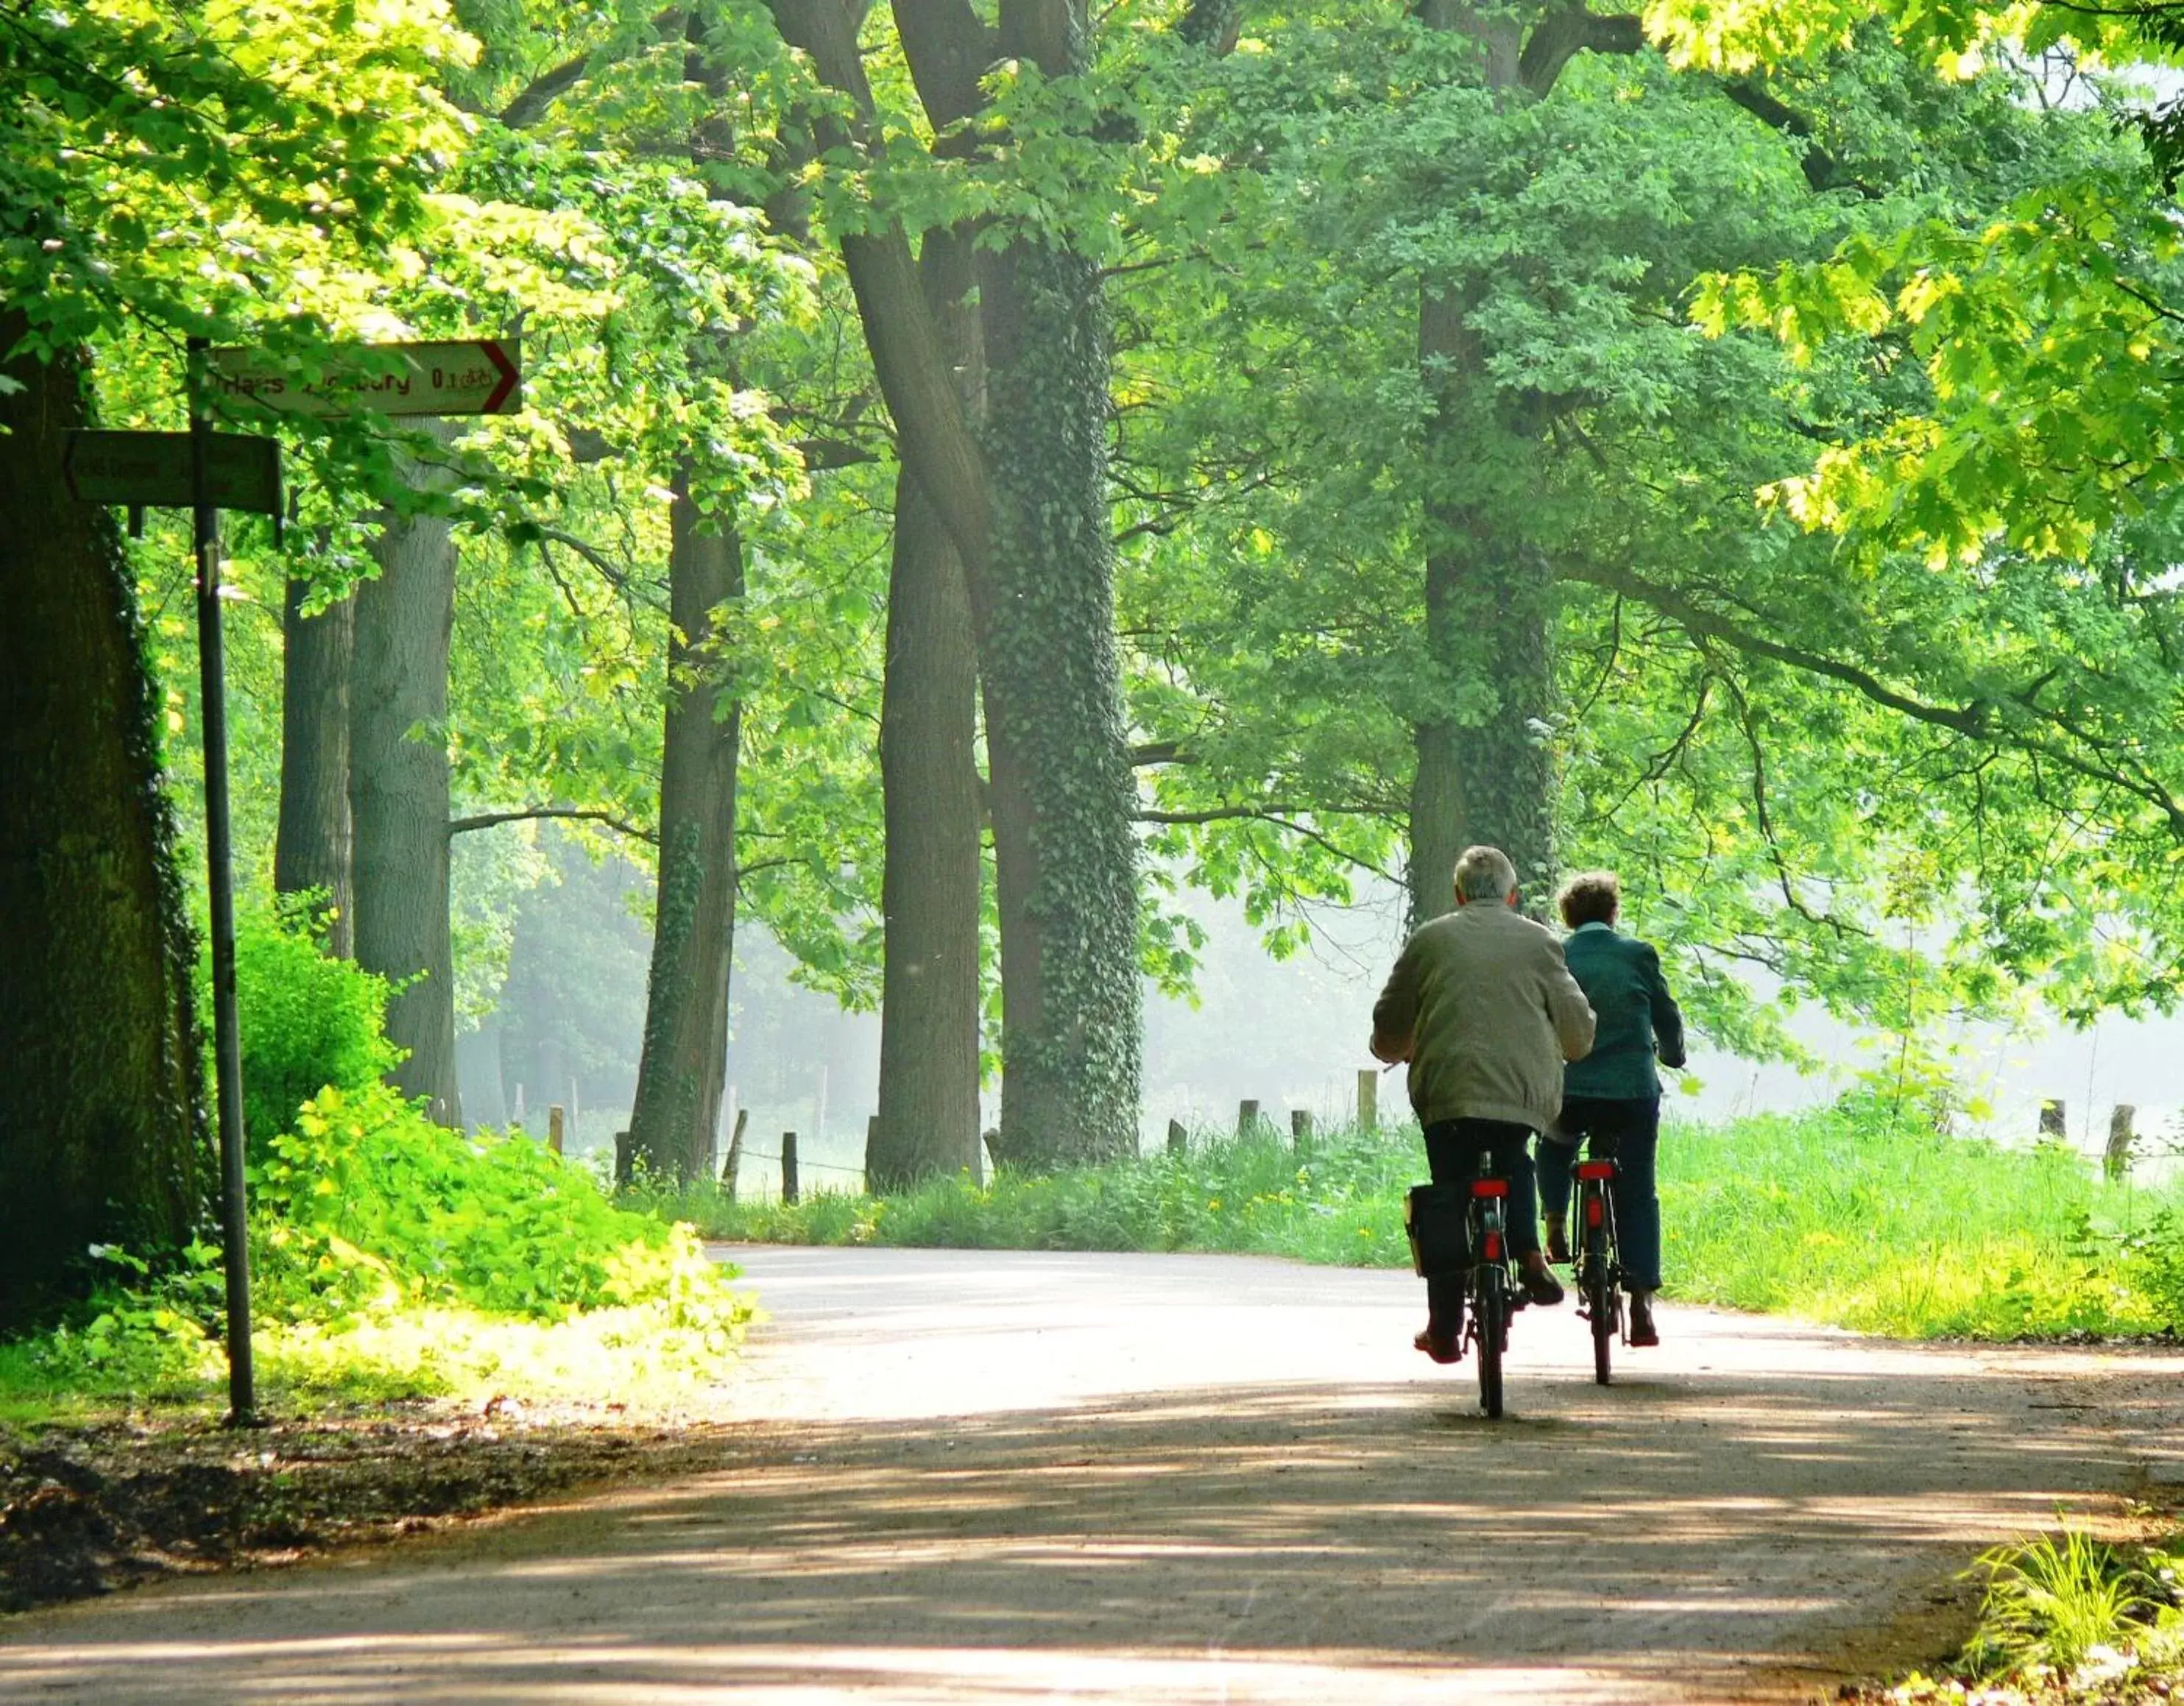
(1458, 1151)
(1627, 1129)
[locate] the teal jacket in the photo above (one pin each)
(1621, 977)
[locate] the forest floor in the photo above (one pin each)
(973, 1476)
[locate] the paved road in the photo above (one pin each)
(996, 1478)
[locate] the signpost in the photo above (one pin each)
(205, 472)
(227, 1034)
(479, 375)
(155, 470)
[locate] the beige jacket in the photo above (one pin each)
(1489, 1013)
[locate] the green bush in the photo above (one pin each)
(366, 1194)
(391, 1255)
(308, 1021)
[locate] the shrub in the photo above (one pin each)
(393, 1256)
(308, 1021)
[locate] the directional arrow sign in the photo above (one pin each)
(480, 376)
(151, 469)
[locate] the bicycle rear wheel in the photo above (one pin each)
(1491, 1312)
(1600, 1297)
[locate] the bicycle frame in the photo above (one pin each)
(1599, 1266)
(1493, 1295)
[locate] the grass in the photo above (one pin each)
(2065, 1620)
(1844, 1216)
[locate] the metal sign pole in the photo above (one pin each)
(227, 1036)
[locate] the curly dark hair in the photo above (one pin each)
(1591, 896)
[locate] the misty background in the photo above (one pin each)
(1290, 1034)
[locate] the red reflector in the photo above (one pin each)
(1490, 1187)
(1493, 1246)
(1595, 1169)
(1592, 1216)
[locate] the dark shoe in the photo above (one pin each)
(1441, 1348)
(1642, 1334)
(1540, 1286)
(1557, 1241)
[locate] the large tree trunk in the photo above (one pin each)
(1028, 510)
(928, 1090)
(685, 1065)
(1492, 780)
(1064, 850)
(311, 848)
(1490, 602)
(399, 790)
(102, 1134)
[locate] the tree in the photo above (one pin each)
(399, 795)
(929, 1063)
(116, 117)
(1025, 502)
(312, 852)
(101, 1131)
(2048, 333)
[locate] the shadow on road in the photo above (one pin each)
(1690, 1535)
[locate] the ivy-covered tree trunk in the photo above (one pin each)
(101, 1133)
(683, 1068)
(928, 1088)
(398, 797)
(311, 847)
(1064, 850)
(1026, 503)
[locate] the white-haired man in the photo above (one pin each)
(1482, 1006)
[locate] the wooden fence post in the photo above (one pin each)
(788, 1166)
(728, 1168)
(1368, 1100)
(1299, 1128)
(1247, 1118)
(555, 1116)
(2052, 1129)
(2116, 1163)
(1178, 1140)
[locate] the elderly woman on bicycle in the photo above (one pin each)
(1613, 1095)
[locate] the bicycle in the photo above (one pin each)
(1599, 1266)
(1491, 1290)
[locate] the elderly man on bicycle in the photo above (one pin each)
(1483, 1008)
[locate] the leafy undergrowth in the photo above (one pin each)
(91, 1507)
(1848, 1215)
(394, 1258)
(445, 1325)
(2066, 1621)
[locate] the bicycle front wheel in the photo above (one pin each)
(1492, 1308)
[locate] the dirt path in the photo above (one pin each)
(983, 1478)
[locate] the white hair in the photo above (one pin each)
(1484, 873)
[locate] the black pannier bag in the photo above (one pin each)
(1435, 1216)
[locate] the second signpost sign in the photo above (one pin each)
(479, 375)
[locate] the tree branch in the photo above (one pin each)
(486, 820)
(1820, 168)
(531, 101)
(1273, 814)
(1561, 37)
(1974, 721)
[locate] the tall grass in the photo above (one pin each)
(1846, 1216)
(1854, 1218)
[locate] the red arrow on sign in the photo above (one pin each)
(499, 358)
